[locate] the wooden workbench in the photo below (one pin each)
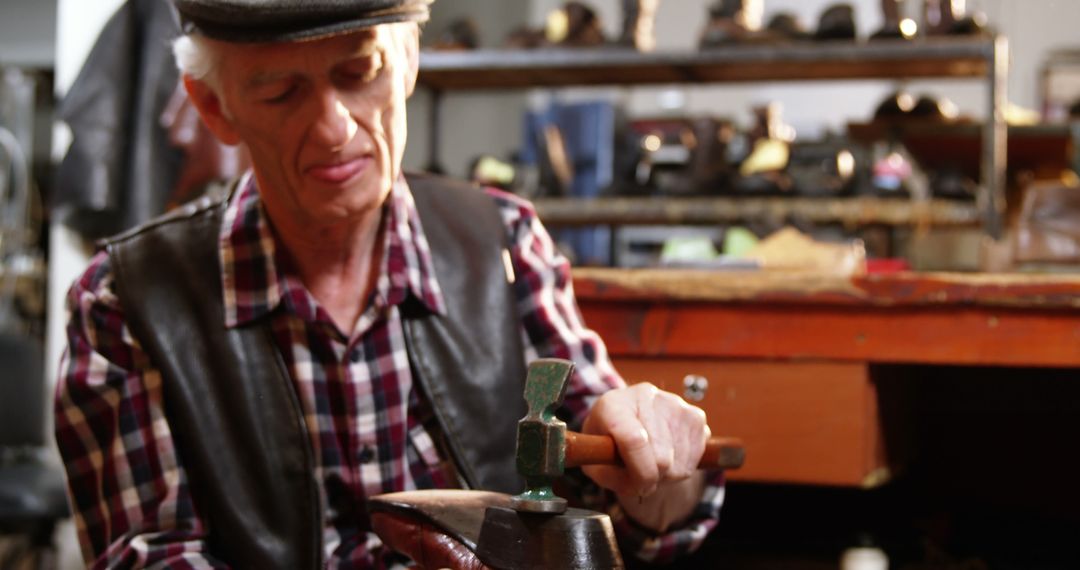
(795, 361)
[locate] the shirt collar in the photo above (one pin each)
(254, 282)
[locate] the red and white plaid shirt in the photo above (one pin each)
(370, 430)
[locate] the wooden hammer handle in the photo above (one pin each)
(582, 449)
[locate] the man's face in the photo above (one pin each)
(324, 120)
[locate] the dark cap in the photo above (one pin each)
(291, 20)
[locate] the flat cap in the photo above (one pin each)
(291, 20)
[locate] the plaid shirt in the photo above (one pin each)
(369, 429)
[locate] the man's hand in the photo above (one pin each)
(660, 439)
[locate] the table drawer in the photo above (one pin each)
(802, 422)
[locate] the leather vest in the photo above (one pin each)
(232, 408)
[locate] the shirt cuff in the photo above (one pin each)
(647, 546)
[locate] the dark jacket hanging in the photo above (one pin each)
(120, 168)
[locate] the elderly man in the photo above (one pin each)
(244, 372)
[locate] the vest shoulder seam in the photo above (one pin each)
(201, 207)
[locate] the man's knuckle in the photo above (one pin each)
(636, 440)
(646, 389)
(680, 473)
(648, 480)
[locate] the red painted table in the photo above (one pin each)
(793, 359)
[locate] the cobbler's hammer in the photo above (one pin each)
(545, 448)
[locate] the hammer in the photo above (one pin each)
(545, 448)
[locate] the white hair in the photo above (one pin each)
(195, 57)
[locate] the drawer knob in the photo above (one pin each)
(694, 387)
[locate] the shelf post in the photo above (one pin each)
(435, 133)
(991, 198)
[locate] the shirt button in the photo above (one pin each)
(356, 355)
(366, 455)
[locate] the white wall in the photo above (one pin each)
(78, 24)
(27, 32)
(1034, 27)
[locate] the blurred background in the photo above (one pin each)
(837, 153)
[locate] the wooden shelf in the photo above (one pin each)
(882, 59)
(981, 58)
(859, 211)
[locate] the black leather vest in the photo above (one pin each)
(232, 408)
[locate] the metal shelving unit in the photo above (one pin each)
(977, 58)
(852, 212)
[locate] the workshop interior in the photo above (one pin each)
(848, 231)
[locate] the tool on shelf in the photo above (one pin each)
(895, 25)
(639, 17)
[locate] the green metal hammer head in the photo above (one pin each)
(541, 438)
